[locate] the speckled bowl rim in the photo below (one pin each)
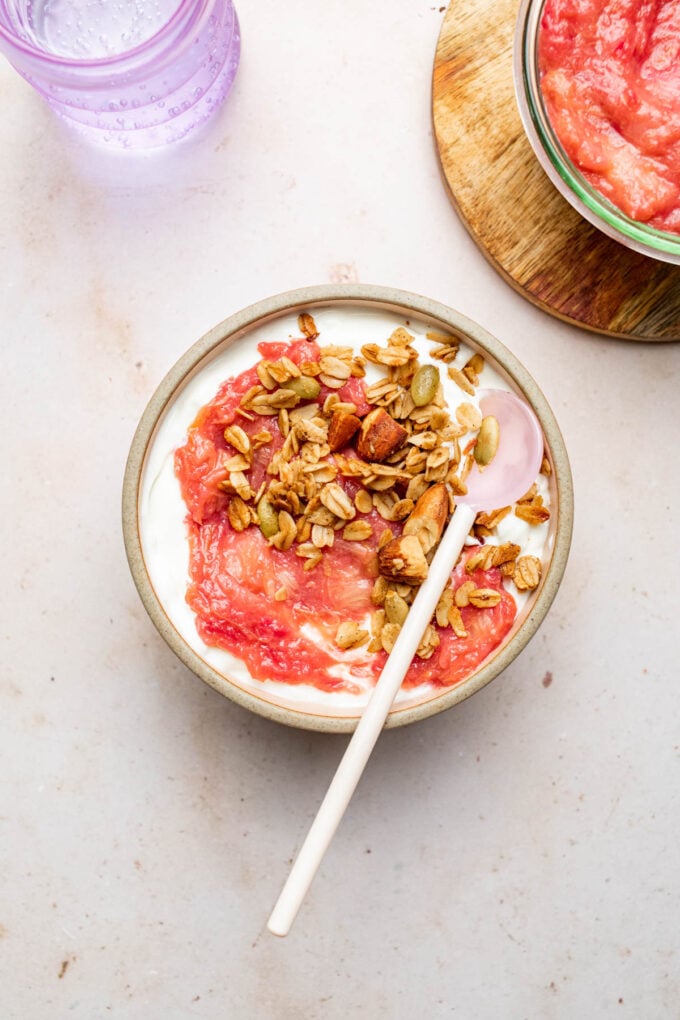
(384, 299)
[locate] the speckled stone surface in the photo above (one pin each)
(513, 857)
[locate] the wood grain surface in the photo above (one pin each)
(529, 233)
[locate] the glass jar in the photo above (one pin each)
(126, 73)
(563, 173)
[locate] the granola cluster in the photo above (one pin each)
(406, 457)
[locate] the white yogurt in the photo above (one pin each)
(162, 511)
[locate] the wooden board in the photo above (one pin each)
(529, 233)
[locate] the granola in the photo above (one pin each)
(344, 446)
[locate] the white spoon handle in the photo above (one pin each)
(363, 740)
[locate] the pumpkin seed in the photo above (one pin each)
(488, 438)
(424, 385)
(268, 518)
(305, 386)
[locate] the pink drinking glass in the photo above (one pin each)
(126, 73)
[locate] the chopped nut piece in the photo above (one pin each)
(342, 429)
(379, 436)
(429, 516)
(403, 559)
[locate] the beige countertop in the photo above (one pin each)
(515, 857)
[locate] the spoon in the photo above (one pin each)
(509, 475)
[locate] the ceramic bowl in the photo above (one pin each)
(565, 176)
(158, 554)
